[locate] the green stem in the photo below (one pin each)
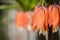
(42, 2)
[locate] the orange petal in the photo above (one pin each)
(54, 16)
(46, 19)
(40, 18)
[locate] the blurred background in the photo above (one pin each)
(8, 10)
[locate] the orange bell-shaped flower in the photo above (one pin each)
(21, 19)
(39, 18)
(53, 16)
(34, 23)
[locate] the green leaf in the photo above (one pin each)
(6, 7)
(33, 4)
(20, 4)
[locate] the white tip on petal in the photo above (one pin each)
(56, 29)
(46, 35)
(29, 28)
(40, 32)
(20, 29)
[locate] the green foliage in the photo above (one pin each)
(27, 4)
(3, 26)
(6, 7)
